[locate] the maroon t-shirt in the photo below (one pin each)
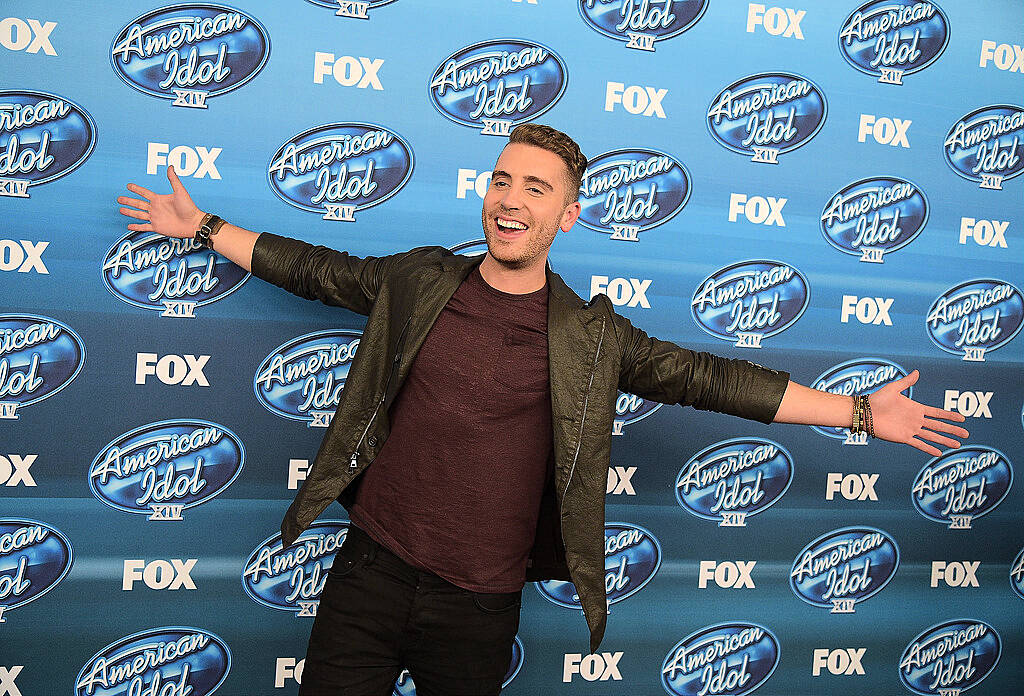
(456, 487)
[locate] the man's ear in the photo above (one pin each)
(569, 217)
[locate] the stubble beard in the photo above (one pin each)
(534, 244)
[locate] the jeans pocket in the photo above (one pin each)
(497, 602)
(352, 556)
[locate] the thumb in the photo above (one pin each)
(172, 176)
(908, 381)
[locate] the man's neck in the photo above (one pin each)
(516, 281)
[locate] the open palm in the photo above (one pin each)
(173, 214)
(899, 419)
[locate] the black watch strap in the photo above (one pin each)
(209, 226)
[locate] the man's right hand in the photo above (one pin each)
(172, 215)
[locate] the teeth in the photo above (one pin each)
(514, 224)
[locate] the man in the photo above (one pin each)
(483, 394)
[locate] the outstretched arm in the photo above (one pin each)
(896, 418)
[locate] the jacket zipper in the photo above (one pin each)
(586, 399)
(353, 461)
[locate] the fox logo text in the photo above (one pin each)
(14, 470)
(286, 668)
(759, 210)
(734, 479)
(23, 256)
(630, 408)
(190, 52)
(950, 657)
(874, 217)
(729, 658)
(298, 470)
(291, 579)
(766, 115)
(166, 660)
(892, 38)
(867, 310)
(348, 71)
(404, 685)
(984, 145)
(198, 162)
(726, 574)
(338, 169)
(632, 556)
(975, 318)
(973, 404)
(955, 573)
(1003, 56)
(353, 9)
(625, 192)
(628, 292)
(150, 271)
(635, 99)
(961, 485)
(851, 486)
(470, 180)
(8, 675)
(593, 667)
(39, 356)
(840, 662)
(854, 378)
(34, 557)
(749, 301)
(620, 480)
(175, 574)
(1017, 574)
(28, 35)
(494, 85)
(777, 21)
(641, 24)
(990, 233)
(42, 138)
(162, 468)
(172, 369)
(885, 130)
(844, 567)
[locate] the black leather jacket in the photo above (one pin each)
(592, 351)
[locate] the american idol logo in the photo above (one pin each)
(631, 558)
(750, 301)
(734, 479)
(874, 217)
(630, 408)
(34, 557)
(962, 484)
(766, 115)
(291, 579)
(405, 686)
(893, 38)
(356, 9)
(844, 567)
(338, 169)
(975, 317)
(302, 379)
(641, 23)
(1017, 574)
(174, 276)
(625, 192)
(985, 145)
(950, 657)
(473, 247)
(731, 658)
(853, 378)
(495, 85)
(170, 660)
(190, 52)
(39, 356)
(162, 468)
(42, 138)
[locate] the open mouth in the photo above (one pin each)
(508, 227)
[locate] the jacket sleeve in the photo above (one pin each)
(662, 371)
(320, 273)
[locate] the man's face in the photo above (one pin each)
(525, 205)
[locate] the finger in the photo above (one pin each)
(137, 214)
(141, 227)
(134, 202)
(908, 381)
(947, 415)
(938, 439)
(924, 447)
(172, 176)
(145, 192)
(944, 427)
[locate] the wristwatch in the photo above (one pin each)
(209, 226)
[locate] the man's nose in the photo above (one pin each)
(512, 198)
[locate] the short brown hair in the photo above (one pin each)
(547, 138)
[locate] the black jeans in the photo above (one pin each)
(377, 614)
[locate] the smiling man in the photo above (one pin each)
(471, 444)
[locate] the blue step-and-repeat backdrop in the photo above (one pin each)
(833, 188)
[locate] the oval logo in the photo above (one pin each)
(892, 38)
(627, 191)
(962, 484)
(165, 660)
(190, 52)
(1017, 574)
(731, 658)
(975, 317)
(291, 579)
(39, 356)
(853, 378)
(632, 555)
(495, 85)
(984, 145)
(473, 247)
(355, 10)
(405, 686)
(175, 276)
(302, 379)
(42, 137)
(630, 408)
(734, 479)
(874, 217)
(844, 567)
(768, 114)
(642, 24)
(750, 300)
(162, 468)
(34, 557)
(950, 657)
